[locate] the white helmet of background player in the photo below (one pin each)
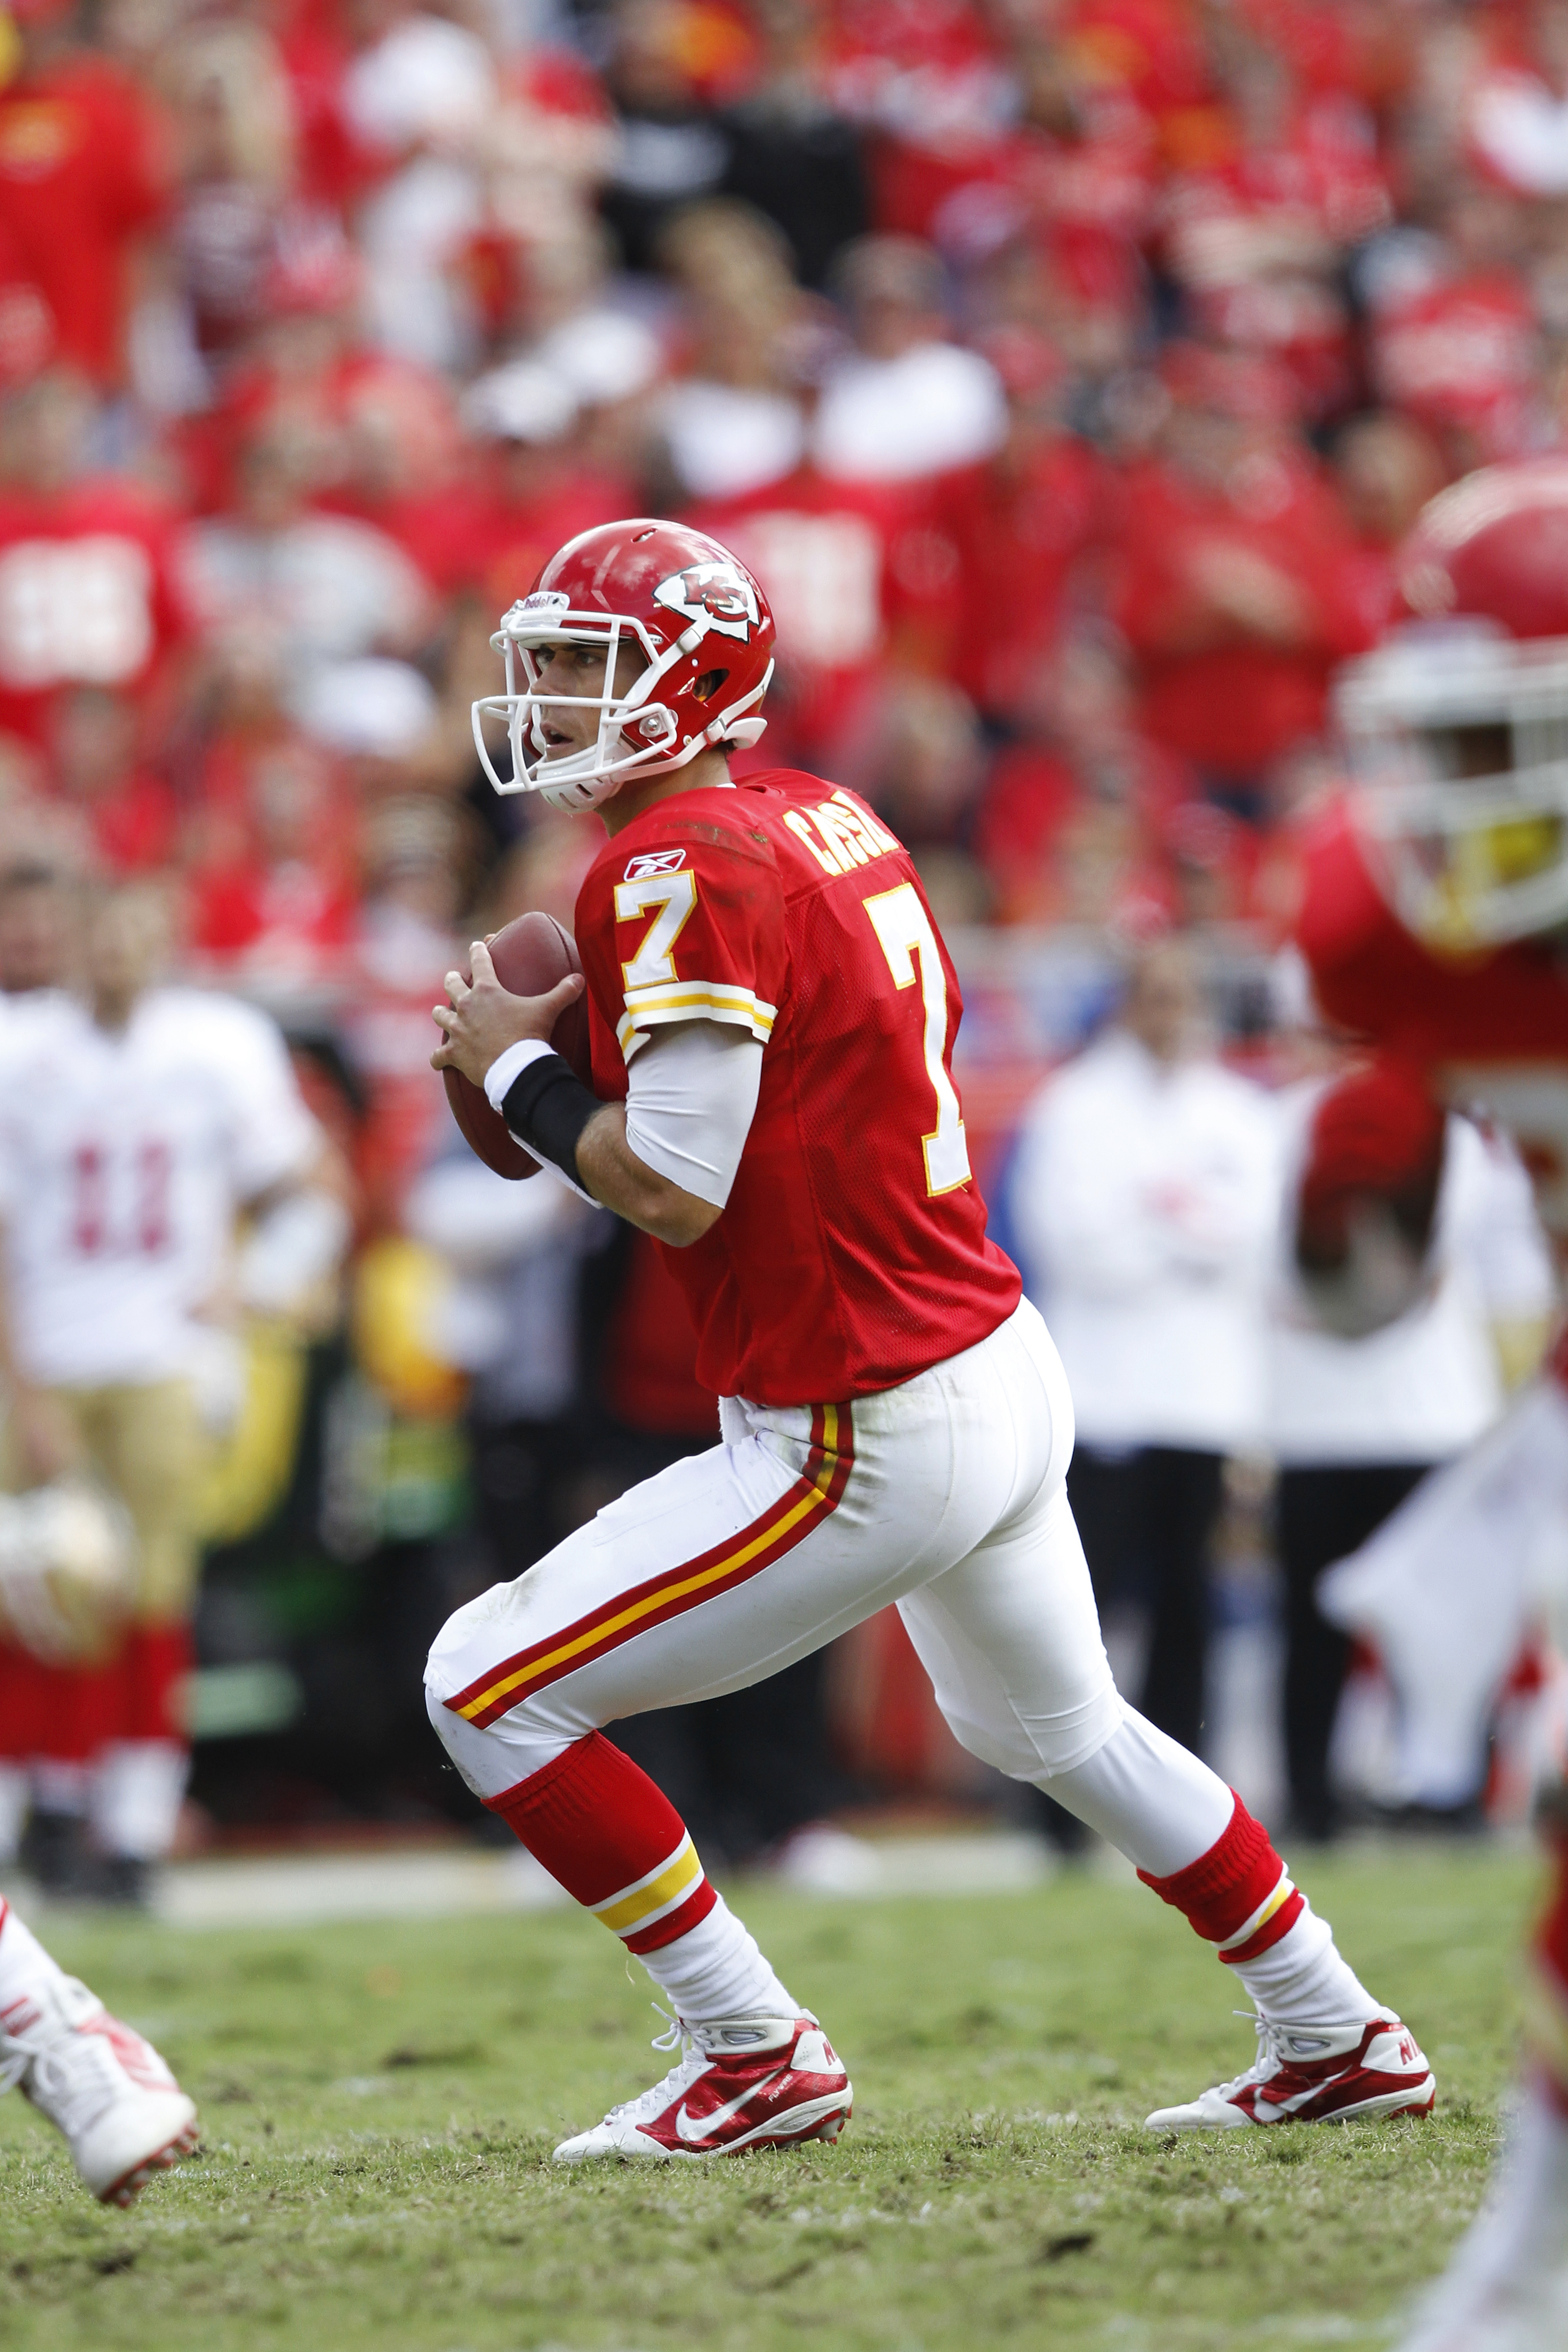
(698, 617)
(67, 1552)
(1457, 725)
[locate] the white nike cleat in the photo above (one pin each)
(1506, 2289)
(738, 2082)
(1315, 2075)
(123, 2115)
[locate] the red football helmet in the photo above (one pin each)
(1457, 725)
(699, 619)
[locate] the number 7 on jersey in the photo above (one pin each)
(903, 932)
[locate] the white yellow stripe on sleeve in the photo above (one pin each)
(691, 999)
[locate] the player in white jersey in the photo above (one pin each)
(136, 1121)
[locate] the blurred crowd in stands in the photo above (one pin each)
(1067, 371)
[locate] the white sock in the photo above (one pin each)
(1148, 1796)
(136, 1794)
(716, 1971)
(1302, 1981)
(25, 1966)
(59, 1788)
(16, 1791)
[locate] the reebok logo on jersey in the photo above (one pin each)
(719, 594)
(654, 861)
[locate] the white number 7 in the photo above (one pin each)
(903, 930)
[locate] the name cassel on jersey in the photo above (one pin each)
(852, 1253)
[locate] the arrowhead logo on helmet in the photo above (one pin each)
(719, 594)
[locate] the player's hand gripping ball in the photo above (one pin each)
(530, 958)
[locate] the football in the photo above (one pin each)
(530, 955)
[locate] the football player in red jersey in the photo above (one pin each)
(1434, 897)
(773, 1015)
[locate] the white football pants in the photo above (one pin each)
(946, 1495)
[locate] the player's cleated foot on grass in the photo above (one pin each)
(1315, 2075)
(122, 2114)
(740, 2083)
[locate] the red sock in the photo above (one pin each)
(69, 1711)
(613, 1840)
(152, 1664)
(1238, 1894)
(22, 1714)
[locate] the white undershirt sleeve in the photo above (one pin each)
(693, 1095)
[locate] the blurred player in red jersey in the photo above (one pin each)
(1434, 899)
(773, 1015)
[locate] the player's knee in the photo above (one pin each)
(440, 1682)
(1039, 1747)
(443, 1722)
(1005, 1750)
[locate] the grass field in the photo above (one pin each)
(380, 2104)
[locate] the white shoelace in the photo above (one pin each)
(677, 2035)
(1269, 2035)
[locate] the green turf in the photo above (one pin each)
(380, 2104)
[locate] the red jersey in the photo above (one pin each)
(1228, 702)
(1492, 1029)
(88, 595)
(857, 574)
(1465, 358)
(1020, 531)
(81, 171)
(852, 1253)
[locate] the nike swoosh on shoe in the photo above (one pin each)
(688, 2128)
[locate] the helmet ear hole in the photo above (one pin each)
(707, 685)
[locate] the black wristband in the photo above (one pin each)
(547, 1108)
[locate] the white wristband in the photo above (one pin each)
(508, 1068)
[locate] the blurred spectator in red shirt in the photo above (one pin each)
(272, 845)
(83, 174)
(1257, 235)
(1456, 343)
(89, 592)
(95, 745)
(863, 577)
(1236, 589)
(418, 873)
(1023, 524)
(1071, 827)
(370, 426)
(1077, 179)
(906, 402)
(929, 81)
